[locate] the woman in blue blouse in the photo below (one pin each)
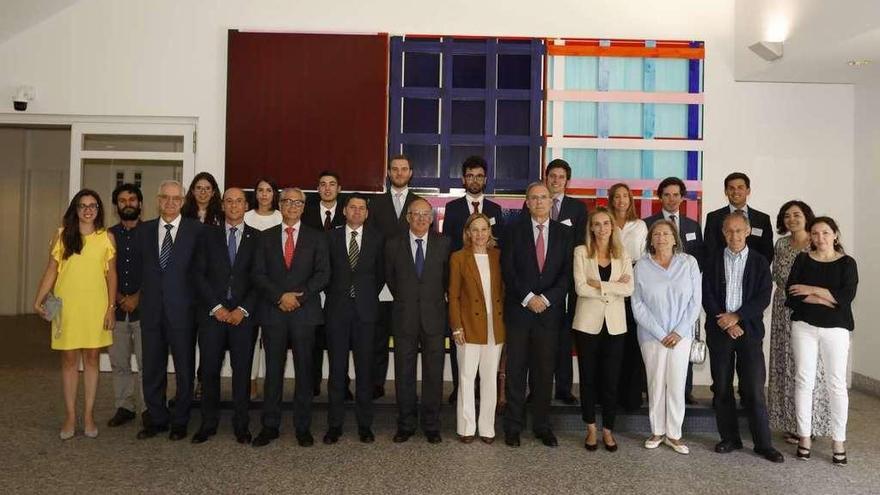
(666, 303)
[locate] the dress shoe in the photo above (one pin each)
(654, 441)
(511, 439)
(265, 436)
(466, 438)
(349, 397)
(401, 436)
(771, 454)
(839, 458)
(151, 431)
(677, 447)
(366, 435)
(121, 417)
(487, 440)
(610, 447)
(567, 399)
(433, 436)
(378, 392)
(305, 438)
(727, 446)
(66, 435)
(203, 435)
(91, 433)
(547, 438)
(243, 436)
(177, 433)
(332, 435)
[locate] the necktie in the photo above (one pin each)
(476, 206)
(420, 258)
(167, 244)
(554, 211)
(327, 220)
(289, 247)
(353, 253)
(398, 207)
(230, 245)
(674, 220)
(539, 248)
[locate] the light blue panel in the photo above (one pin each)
(624, 119)
(602, 164)
(624, 164)
(551, 62)
(670, 164)
(580, 72)
(671, 74)
(550, 118)
(580, 118)
(582, 161)
(670, 120)
(625, 73)
(650, 76)
(647, 164)
(648, 121)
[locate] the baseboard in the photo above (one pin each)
(866, 384)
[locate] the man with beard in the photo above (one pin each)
(127, 331)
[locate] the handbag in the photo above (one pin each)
(52, 311)
(698, 347)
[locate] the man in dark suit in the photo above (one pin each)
(291, 269)
(537, 266)
(473, 178)
(324, 214)
(572, 214)
(357, 255)
(227, 300)
(671, 192)
(737, 187)
(388, 215)
(417, 272)
(736, 290)
(168, 246)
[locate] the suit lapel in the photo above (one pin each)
(471, 266)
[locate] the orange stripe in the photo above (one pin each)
(626, 51)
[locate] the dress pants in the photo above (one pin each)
(599, 358)
(406, 350)
(746, 354)
(807, 344)
(214, 338)
(258, 363)
(564, 372)
(156, 340)
(127, 338)
(667, 373)
(278, 337)
(349, 333)
(633, 381)
(380, 345)
(473, 358)
(531, 357)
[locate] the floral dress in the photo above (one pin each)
(780, 403)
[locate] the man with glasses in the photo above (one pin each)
(168, 247)
(291, 269)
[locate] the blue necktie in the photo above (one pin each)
(230, 244)
(420, 258)
(167, 244)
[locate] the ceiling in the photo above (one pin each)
(18, 15)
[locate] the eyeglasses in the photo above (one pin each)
(291, 202)
(173, 199)
(420, 214)
(236, 201)
(477, 177)
(88, 207)
(203, 188)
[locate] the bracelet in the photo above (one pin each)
(457, 332)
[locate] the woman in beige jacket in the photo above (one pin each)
(603, 277)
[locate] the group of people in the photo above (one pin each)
(513, 296)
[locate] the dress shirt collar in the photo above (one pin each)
(295, 226)
(535, 224)
(742, 255)
(349, 230)
(413, 237)
(744, 209)
(175, 222)
(667, 214)
(324, 209)
(404, 191)
(239, 227)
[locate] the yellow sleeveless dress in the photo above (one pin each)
(82, 287)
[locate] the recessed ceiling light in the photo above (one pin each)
(858, 63)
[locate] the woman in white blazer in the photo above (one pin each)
(603, 278)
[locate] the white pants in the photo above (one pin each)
(667, 374)
(807, 343)
(485, 358)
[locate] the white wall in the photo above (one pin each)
(167, 57)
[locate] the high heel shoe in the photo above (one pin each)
(66, 435)
(591, 446)
(610, 447)
(91, 433)
(839, 458)
(803, 453)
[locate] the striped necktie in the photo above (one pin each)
(353, 254)
(167, 244)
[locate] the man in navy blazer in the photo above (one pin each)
(537, 268)
(226, 308)
(737, 188)
(291, 269)
(168, 246)
(736, 291)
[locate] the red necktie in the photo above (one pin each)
(539, 248)
(289, 247)
(327, 220)
(476, 206)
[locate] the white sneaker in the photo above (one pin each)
(654, 441)
(680, 448)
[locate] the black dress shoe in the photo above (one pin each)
(378, 392)
(243, 436)
(121, 417)
(366, 435)
(332, 435)
(203, 435)
(177, 433)
(511, 439)
(727, 446)
(305, 438)
(401, 436)
(567, 399)
(151, 431)
(349, 397)
(265, 436)
(433, 436)
(770, 454)
(547, 438)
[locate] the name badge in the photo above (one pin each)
(567, 222)
(758, 232)
(690, 236)
(492, 221)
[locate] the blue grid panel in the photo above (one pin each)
(624, 119)
(624, 73)
(468, 117)
(671, 74)
(512, 162)
(579, 118)
(583, 162)
(670, 120)
(424, 159)
(514, 71)
(624, 164)
(469, 71)
(669, 164)
(421, 70)
(458, 154)
(580, 72)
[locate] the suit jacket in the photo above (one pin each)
(467, 301)
(457, 213)
(572, 214)
(519, 265)
(215, 276)
(761, 239)
(691, 236)
(309, 273)
(368, 276)
(418, 300)
(605, 305)
(383, 217)
(312, 214)
(171, 290)
(757, 286)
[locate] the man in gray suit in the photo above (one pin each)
(417, 273)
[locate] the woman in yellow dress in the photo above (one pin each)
(82, 273)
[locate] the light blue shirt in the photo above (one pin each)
(734, 266)
(239, 229)
(667, 300)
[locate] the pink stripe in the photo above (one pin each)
(625, 96)
(692, 185)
